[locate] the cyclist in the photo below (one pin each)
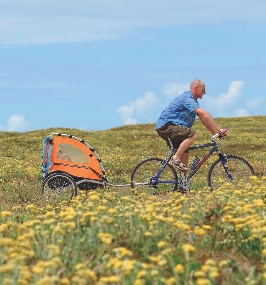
(178, 117)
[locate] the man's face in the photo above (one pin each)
(200, 91)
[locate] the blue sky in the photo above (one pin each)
(96, 65)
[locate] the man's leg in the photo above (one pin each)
(185, 158)
(180, 153)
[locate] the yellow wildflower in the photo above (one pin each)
(203, 281)
(199, 232)
(210, 262)
(105, 238)
(182, 226)
(65, 281)
(6, 214)
(58, 231)
(6, 242)
(206, 227)
(112, 211)
(161, 244)
(70, 226)
(94, 197)
(54, 250)
(89, 273)
(199, 274)
(3, 228)
(38, 269)
(80, 266)
(148, 234)
(170, 281)
(16, 208)
(139, 282)
(32, 209)
(7, 268)
(50, 214)
(214, 273)
(47, 280)
(179, 268)
(142, 274)
(223, 263)
(188, 247)
(109, 279)
(122, 251)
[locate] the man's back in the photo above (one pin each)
(180, 111)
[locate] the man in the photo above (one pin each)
(177, 119)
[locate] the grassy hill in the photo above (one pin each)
(114, 237)
(120, 150)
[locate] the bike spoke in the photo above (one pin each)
(144, 178)
(239, 173)
(58, 187)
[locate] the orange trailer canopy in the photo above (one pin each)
(67, 153)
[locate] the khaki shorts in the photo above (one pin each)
(177, 134)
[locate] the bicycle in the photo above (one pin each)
(155, 173)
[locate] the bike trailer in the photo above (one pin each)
(64, 153)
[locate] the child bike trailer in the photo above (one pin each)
(69, 163)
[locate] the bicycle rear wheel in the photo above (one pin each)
(239, 168)
(142, 178)
(59, 186)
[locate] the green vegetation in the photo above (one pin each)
(111, 236)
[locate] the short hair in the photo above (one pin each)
(196, 82)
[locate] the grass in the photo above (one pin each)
(111, 236)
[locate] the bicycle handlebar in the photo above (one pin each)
(219, 134)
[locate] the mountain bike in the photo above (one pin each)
(156, 175)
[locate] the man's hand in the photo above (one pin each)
(222, 133)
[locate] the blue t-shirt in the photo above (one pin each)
(181, 111)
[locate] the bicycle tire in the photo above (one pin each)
(240, 169)
(59, 186)
(141, 178)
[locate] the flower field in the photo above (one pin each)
(113, 236)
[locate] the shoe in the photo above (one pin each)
(178, 164)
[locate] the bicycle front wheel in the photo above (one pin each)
(239, 168)
(145, 177)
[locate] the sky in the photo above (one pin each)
(97, 65)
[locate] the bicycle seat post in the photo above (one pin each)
(173, 150)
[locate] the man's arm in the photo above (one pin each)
(208, 121)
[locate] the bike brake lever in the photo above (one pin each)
(219, 135)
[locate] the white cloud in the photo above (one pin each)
(226, 104)
(17, 123)
(233, 103)
(141, 110)
(229, 104)
(233, 93)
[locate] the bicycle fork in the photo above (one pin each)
(224, 160)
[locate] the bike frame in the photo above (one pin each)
(214, 148)
(155, 179)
